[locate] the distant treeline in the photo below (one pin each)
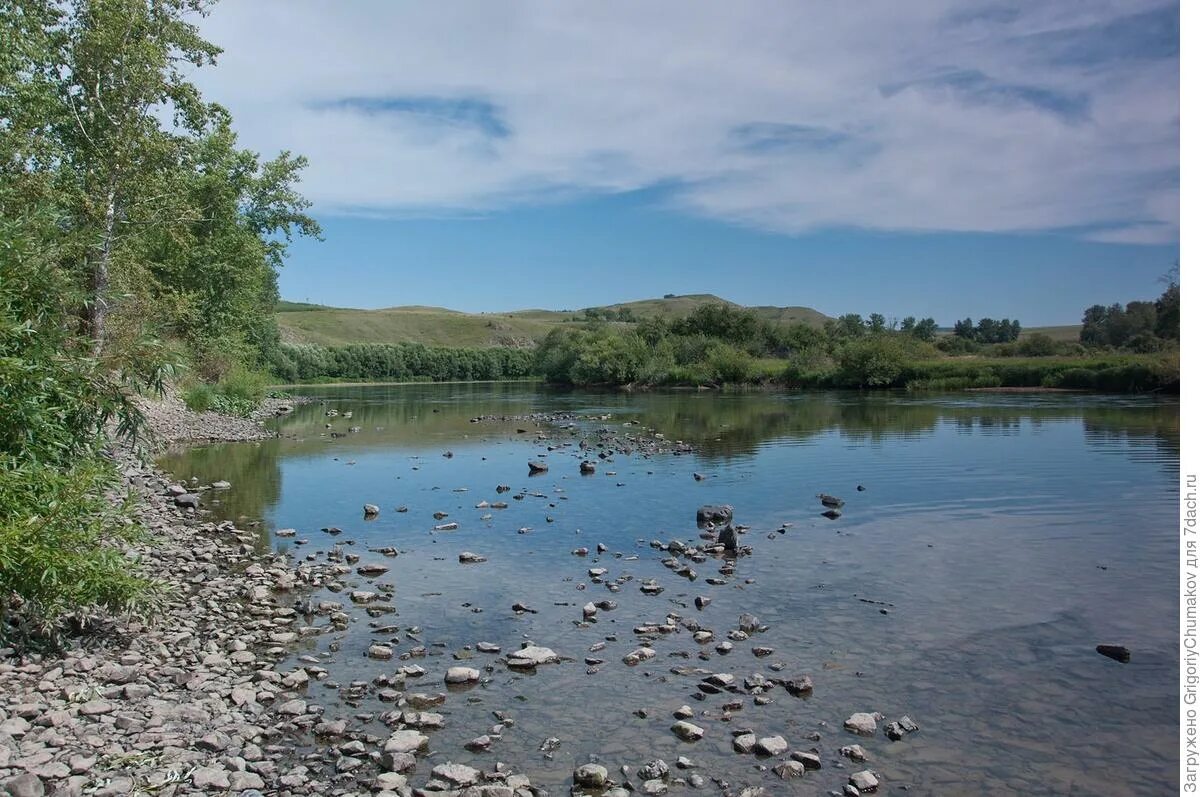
(720, 345)
(399, 362)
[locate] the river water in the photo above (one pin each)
(998, 538)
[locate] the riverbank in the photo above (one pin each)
(168, 421)
(195, 700)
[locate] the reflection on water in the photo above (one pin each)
(1003, 535)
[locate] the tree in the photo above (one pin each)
(876, 323)
(849, 325)
(964, 329)
(926, 329)
(1167, 307)
(125, 64)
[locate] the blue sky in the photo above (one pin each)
(944, 158)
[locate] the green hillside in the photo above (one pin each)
(333, 326)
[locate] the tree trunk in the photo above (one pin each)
(98, 314)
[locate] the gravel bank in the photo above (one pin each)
(194, 703)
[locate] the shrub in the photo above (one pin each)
(953, 344)
(1036, 345)
(727, 364)
(58, 554)
(871, 362)
(1073, 378)
(199, 397)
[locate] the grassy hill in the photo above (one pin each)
(334, 326)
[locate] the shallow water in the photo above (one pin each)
(1005, 535)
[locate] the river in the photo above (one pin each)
(996, 540)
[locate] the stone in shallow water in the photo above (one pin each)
(462, 675)
(865, 781)
(531, 656)
(405, 741)
(861, 723)
(771, 746)
(687, 731)
(788, 770)
(744, 743)
(591, 776)
(457, 775)
(654, 770)
(854, 752)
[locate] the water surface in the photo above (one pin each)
(998, 539)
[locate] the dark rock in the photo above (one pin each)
(715, 514)
(1115, 652)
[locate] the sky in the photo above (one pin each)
(947, 158)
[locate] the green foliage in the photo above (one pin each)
(239, 392)
(873, 362)
(199, 397)
(1139, 326)
(988, 330)
(133, 233)
(401, 362)
(1036, 345)
(57, 530)
(729, 365)
(59, 554)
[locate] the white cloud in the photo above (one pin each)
(783, 116)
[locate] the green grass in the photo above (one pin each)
(435, 326)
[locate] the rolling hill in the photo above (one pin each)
(437, 326)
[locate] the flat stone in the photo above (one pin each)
(771, 746)
(687, 731)
(240, 781)
(210, 778)
(457, 775)
(865, 781)
(462, 675)
(405, 741)
(531, 656)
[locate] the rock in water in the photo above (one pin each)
(462, 675)
(715, 514)
(1116, 652)
(728, 538)
(538, 467)
(833, 502)
(370, 510)
(771, 746)
(530, 657)
(687, 731)
(861, 723)
(866, 781)
(586, 468)
(591, 776)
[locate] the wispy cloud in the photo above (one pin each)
(944, 115)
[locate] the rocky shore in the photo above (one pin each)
(195, 701)
(168, 420)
